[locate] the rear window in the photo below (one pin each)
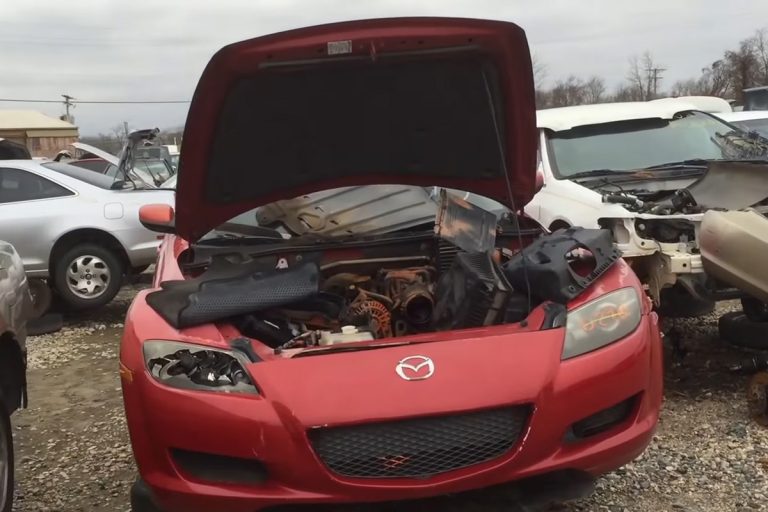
(89, 177)
(91, 165)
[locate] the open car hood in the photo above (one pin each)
(104, 155)
(410, 101)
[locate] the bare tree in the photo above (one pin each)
(594, 89)
(760, 48)
(644, 77)
(539, 71)
(570, 91)
(119, 134)
(624, 92)
(743, 68)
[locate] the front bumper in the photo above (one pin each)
(161, 419)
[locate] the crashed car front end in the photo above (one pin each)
(663, 240)
(336, 348)
(240, 396)
(662, 250)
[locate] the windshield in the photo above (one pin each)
(158, 169)
(349, 211)
(758, 125)
(641, 143)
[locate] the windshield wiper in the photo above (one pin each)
(693, 162)
(598, 173)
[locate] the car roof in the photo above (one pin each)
(566, 118)
(710, 104)
(744, 115)
(64, 178)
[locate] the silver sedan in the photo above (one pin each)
(77, 231)
(15, 307)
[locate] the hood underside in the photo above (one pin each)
(413, 101)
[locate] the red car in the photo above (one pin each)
(337, 350)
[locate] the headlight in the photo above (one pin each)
(187, 366)
(601, 322)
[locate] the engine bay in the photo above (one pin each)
(288, 296)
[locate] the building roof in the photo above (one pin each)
(31, 120)
(566, 118)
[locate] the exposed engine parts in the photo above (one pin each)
(470, 273)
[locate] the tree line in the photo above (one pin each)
(737, 69)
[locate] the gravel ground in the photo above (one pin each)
(74, 453)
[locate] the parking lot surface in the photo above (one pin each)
(74, 453)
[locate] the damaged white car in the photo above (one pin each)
(659, 175)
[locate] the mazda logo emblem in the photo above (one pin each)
(415, 368)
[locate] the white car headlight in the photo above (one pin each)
(197, 367)
(601, 322)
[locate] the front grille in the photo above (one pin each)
(419, 448)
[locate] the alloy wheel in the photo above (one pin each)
(88, 276)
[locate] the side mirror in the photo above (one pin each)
(157, 217)
(539, 179)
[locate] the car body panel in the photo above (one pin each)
(733, 247)
(205, 202)
(566, 118)
(15, 298)
(34, 226)
(474, 369)
(105, 155)
(711, 104)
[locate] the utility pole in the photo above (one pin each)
(654, 77)
(125, 128)
(67, 105)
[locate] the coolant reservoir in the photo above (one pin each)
(348, 334)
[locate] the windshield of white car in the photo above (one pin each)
(642, 143)
(89, 177)
(758, 125)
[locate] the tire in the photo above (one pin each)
(141, 498)
(755, 309)
(42, 296)
(73, 270)
(738, 330)
(139, 270)
(52, 322)
(6, 460)
(676, 302)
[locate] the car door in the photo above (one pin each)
(29, 204)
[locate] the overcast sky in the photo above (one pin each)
(122, 50)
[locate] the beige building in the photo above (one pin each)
(41, 134)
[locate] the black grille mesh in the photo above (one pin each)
(419, 448)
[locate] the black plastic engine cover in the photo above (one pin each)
(472, 293)
(544, 264)
(232, 290)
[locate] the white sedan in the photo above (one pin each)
(77, 231)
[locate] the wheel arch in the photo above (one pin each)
(13, 369)
(87, 235)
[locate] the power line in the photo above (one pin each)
(104, 102)
(31, 101)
